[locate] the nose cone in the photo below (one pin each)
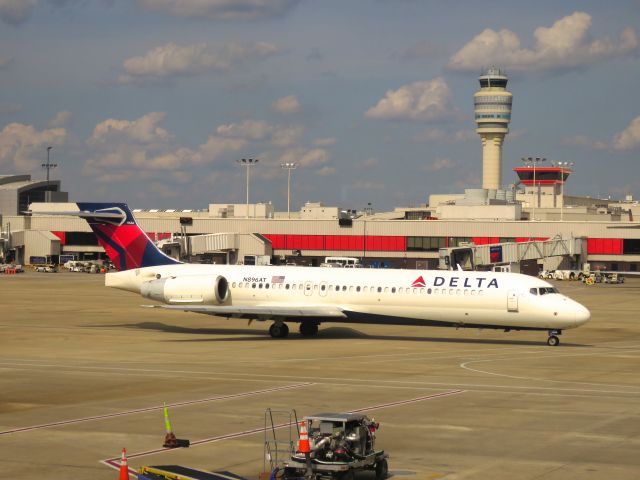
(583, 315)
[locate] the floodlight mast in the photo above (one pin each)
(289, 166)
(247, 163)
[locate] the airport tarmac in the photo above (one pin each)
(84, 372)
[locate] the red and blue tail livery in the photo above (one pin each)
(121, 237)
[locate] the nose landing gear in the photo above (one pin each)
(553, 340)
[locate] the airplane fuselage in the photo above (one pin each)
(376, 296)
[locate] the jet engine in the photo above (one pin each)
(208, 290)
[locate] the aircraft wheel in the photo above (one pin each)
(308, 329)
(553, 341)
(382, 469)
(279, 330)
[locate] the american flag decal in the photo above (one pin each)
(277, 279)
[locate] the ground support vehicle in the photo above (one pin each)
(341, 445)
(47, 269)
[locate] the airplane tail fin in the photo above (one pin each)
(126, 244)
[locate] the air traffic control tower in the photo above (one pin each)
(492, 106)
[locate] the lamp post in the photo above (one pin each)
(562, 166)
(247, 163)
(48, 166)
(288, 167)
(534, 161)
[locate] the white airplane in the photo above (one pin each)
(311, 296)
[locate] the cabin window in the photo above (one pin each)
(458, 292)
(473, 293)
(300, 286)
(315, 288)
(400, 290)
(365, 289)
(386, 289)
(253, 285)
(393, 290)
(344, 288)
(323, 287)
(266, 285)
(259, 285)
(280, 286)
(379, 289)
(480, 293)
(415, 290)
(436, 291)
(286, 287)
(233, 285)
(351, 288)
(357, 289)
(337, 288)
(466, 293)
(429, 291)
(293, 287)
(533, 291)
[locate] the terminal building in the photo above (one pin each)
(530, 215)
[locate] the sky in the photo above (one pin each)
(151, 102)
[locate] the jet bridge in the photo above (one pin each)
(513, 254)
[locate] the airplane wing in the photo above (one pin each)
(259, 312)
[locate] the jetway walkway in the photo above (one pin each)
(471, 256)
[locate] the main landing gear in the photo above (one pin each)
(308, 329)
(553, 340)
(279, 330)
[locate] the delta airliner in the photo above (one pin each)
(310, 296)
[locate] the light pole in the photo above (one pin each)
(534, 161)
(49, 165)
(562, 166)
(247, 163)
(289, 166)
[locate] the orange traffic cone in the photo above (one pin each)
(124, 468)
(303, 444)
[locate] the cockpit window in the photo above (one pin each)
(533, 291)
(546, 290)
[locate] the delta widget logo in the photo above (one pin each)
(419, 282)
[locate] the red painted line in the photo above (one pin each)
(114, 462)
(150, 409)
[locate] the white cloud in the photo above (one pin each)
(304, 157)
(144, 130)
(324, 142)
(286, 136)
(439, 164)
(61, 119)
(171, 60)
(287, 105)
(280, 136)
(15, 12)
(216, 146)
(24, 148)
(439, 135)
(220, 9)
(249, 129)
(563, 46)
(423, 101)
(629, 138)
